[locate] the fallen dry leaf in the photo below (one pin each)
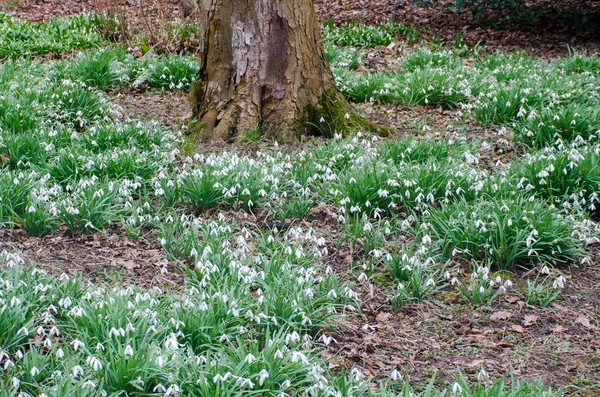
(513, 299)
(559, 329)
(501, 315)
(583, 320)
(518, 328)
(382, 317)
(530, 319)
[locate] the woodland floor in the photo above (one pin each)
(434, 23)
(559, 343)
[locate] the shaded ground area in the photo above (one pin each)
(434, 23)
(101, 257)
(170, 108)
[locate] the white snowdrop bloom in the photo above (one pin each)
(430, 283)
(396, 375)
(456, 389)
(76, 371)
(15, 382)
(128, 352)
(250, 358)
(221, 378)
(60, 353)
(89, 383)
(298, 356)
(262, 376)
(559, 282)
(65, 302)
(161, 361)
(545, 270)
(15, 301)
(77, 312)
(327, 339)
(159, 388)
(34, 371)
(245, 382)
(23, 331)
(94, 363)
(481, 290)
(224, 338)
(482, 376)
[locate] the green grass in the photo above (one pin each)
(26, 39)
(360, 35)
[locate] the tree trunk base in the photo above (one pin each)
(332, 115)
(263, 70)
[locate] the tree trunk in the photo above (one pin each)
(187, 7)
(263, 68)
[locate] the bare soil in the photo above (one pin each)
(170, 108)
(99, 257)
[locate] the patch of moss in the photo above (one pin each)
(335, 115)
(253, 135)
(196, 133)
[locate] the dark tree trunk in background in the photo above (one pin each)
(262, 65)
(187, 7)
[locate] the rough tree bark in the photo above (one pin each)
(262, 65)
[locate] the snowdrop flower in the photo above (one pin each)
(396, 375)
(221, 378)
(77, 344)
(545, 270)
(94, 363)
(327, 339)
(76, 371)
(160, 361)
(128, 352)
(456, 389)
(250, 358)
(559, 283)
(297, 356)
(89, 383)
(159, 388)
(262, 375)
